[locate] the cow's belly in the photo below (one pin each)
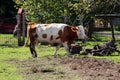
(49, 37)
(49, 40)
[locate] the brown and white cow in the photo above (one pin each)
(54, 33)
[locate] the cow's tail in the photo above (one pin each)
(29, 33)
(27, 43)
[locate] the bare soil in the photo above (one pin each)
(64, 68)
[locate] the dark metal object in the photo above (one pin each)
(75, 48)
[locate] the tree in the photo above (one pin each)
(53, 10)
(67, 11)
(104, 6)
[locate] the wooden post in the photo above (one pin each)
(23, 27)
(19, 30)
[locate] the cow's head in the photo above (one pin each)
(81, 33)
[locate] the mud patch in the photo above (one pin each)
(61, 68)
(94, 69)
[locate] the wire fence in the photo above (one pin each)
(8, 40)
(7, 26)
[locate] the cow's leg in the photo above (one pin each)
(33, 51)
(56, 49)
(65, 44)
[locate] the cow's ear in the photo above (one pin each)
(86, 30)
(74, 29)
(77, 28)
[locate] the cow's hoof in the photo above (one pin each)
(55, 56)
(34, 56)
(69, 55)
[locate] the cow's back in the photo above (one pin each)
(49, 33)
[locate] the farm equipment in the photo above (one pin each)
(75, 48)
(103, 50)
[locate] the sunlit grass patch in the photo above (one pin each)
(112, 58)
(8, 72)
(7, 52)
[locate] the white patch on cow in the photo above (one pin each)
(56, 49)
(81, 33)
(66, 48)
(50, 30)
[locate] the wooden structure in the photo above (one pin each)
(109, 18)
(21, 27)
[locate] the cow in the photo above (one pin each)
(54, 33)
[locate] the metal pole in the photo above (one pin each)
(113, 37)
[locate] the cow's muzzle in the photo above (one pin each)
(84, 40)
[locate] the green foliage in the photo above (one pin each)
(73, 12)
(47, 11)
(104, 6)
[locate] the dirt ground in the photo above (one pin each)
(64, 68)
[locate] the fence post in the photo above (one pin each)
(19, 30)
(23, 27)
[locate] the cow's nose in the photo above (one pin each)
(84, 40)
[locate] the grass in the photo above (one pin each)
(9, 50)
(113, 58)
(8, 72)
(115, 31)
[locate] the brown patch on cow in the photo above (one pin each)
(36, 40)
(60, 34)
(86, 30)
(31, 30)
(31, 27)
(44, 35)
(32, 35)
(69, 34)
(31, 23)
(58, 37)
(51, 38)
(36, 36)
(46, 25)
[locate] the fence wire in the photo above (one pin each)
(8, 40)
